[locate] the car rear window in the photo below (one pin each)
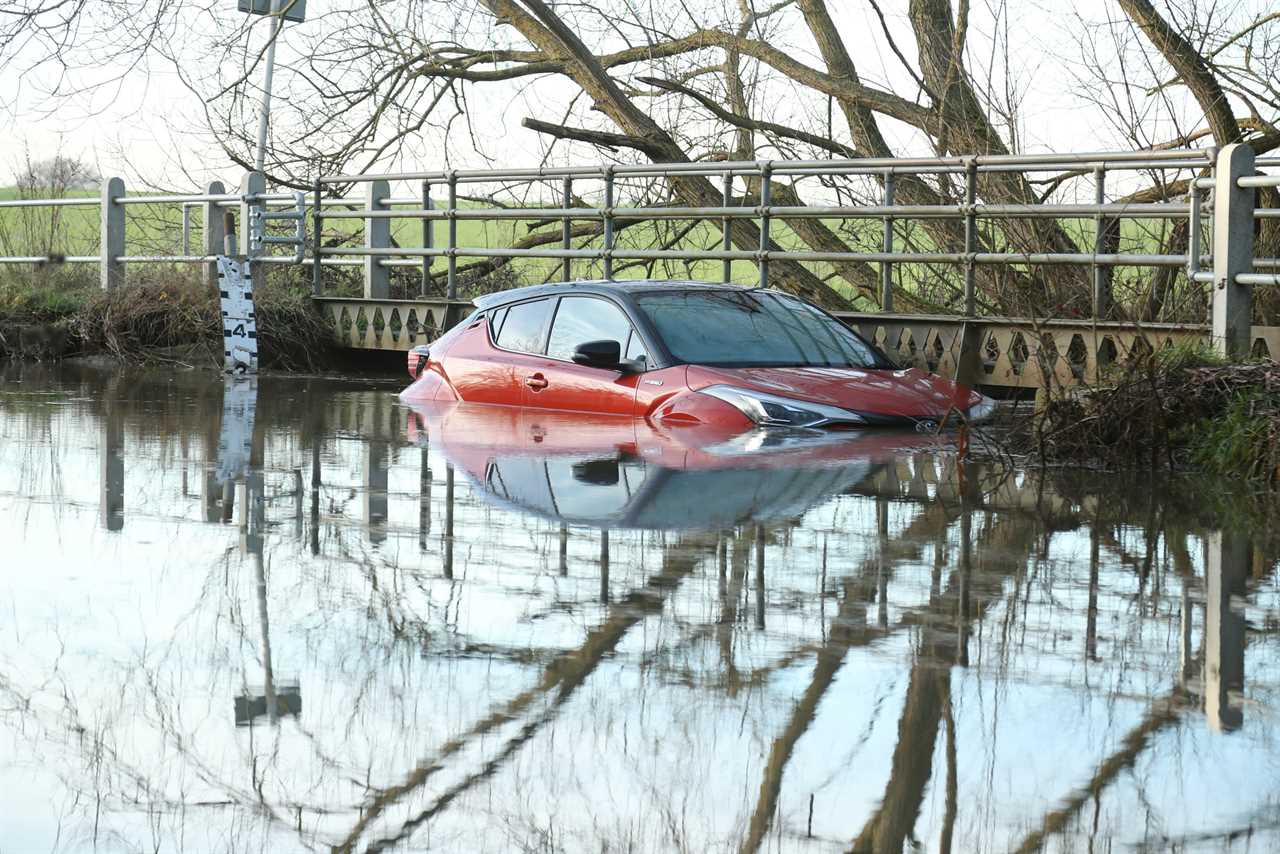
(753, 329)
(523, 327)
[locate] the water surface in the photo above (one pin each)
(296, 615)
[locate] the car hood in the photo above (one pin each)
(909, 393)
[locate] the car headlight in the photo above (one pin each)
(983, 409)
(770, 409)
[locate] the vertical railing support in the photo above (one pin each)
(111, 246)
(970, 236)
(726, 226)
(766, 201)
(1232, 250)
(566, 228)
(214, 232)
(377, 235)
(1195, 230)
(451, 286)
(1101, 273)
(886, 246)
(608, 222)
(317, 239)
(428, 239)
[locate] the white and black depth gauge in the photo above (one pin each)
(239, 316)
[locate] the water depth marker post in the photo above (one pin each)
(239, 315)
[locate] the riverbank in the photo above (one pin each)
(1176, 410)
(161, 316)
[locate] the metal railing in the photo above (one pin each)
(755, 208)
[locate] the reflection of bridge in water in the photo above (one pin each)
(970, 575)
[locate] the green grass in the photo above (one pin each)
(1242, 440)
(156, 230)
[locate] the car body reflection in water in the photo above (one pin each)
(607, 472)
(514, 637)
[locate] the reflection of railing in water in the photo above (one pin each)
(988, 558)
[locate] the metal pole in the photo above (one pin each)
(970, 235)
(1101, 274)
(566, 228)
(317, 219)
(726, 198)
(428, 228)
(278, 20)
(1232, 251)
(452, 282)
(608, 222)
(1195, 232)
(766, 199)
(886, 268)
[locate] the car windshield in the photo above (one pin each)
(739, 329)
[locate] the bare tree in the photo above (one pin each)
(673, 83)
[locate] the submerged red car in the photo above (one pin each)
(679, 353)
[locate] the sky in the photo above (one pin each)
(147, 127)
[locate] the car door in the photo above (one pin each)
(488, 364)
(553, 381)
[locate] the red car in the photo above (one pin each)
(679, 353)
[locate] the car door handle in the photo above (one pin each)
(537, 382)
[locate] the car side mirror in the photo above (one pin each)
(598, 354)
(597, 472)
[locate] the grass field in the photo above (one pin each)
(157, 230)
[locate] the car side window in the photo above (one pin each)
(495, 321)
(522, 329)
(582, 319)
(635, 351)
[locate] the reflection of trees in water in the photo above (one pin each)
(1006, 596)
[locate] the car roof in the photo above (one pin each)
(598, 286)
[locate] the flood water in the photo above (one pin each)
(297, 615)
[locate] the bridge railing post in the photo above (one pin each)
(428, 241)
(213, 232)
(886, 246)
(1101, 273)
(970, 236)
(1232, 250)
(111, 247)
(377, 235)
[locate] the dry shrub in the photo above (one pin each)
(1167, 410)
(163, 309)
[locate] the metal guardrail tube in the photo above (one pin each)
(50, 203)
(1255, 181)
(868, 165)
(1159, 210)
(45, 259)
(1034, 258)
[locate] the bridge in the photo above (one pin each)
(1045, 292)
